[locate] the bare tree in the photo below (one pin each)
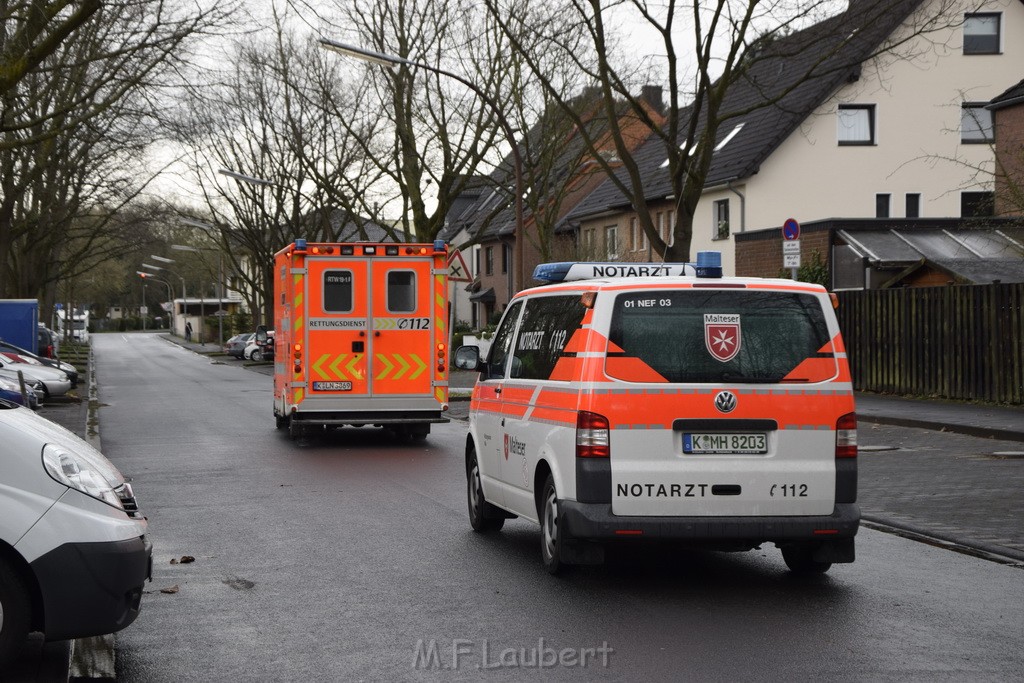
(32, 31)
(274, 119)
(74, 128)
(774, 47)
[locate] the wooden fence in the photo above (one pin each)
(960, 342)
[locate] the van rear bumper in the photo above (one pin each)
(91, 589)
(595, 521)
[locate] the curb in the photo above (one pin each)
(92, 658)
(985, 551)
(966, 429)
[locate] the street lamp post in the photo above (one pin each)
(220, 284)
(391, 61)
(170, 293)
(184, 297)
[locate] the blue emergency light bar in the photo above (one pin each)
(709, 264)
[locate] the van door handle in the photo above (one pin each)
(497, 390)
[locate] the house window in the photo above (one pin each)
(721, 218)
(611, 242)
(670, 236)
(913, 205)
(882, 203)
(588, 243)
(977, 204)
(637, 236)
(505, 254)
(981, 34)
(856, 123)
(975, 124)
(489, 260)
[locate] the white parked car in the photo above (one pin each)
(55, 382)
(74, 556)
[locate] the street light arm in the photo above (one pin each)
(252, 180)
(390, 61)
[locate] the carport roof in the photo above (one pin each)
(976, 255)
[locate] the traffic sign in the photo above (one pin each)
(458, 271)
(791, 247)
(791, 260)
(791, 229)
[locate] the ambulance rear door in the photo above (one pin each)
(337, 328)
(403, 327)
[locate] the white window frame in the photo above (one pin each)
(976, 124)
(847, 129)
(611, 242)
(977, 20)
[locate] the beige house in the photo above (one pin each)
(906, 135)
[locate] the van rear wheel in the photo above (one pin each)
(800, 560)
(550, 536)
(483, 516)
(14, 613)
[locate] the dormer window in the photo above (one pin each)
(982, 33)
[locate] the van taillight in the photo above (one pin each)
(846, 436)
(592, 435)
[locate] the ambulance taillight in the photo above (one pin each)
(846, 436)
(440, 357)
(592, 435)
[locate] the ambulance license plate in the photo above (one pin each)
(332, 386)
(725, 443)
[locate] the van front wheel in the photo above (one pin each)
(14, 613)
(483, 516)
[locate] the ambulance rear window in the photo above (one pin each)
(338, 291)
(705, 336)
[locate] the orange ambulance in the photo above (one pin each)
(361, 336)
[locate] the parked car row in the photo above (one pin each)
(247, 347)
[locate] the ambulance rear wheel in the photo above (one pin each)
(550, 538)
(281, 422)
(800, 560)
(483, 516)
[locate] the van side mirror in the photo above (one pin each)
(261, 334)
(468, 358)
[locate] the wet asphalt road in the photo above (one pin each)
(336, 558)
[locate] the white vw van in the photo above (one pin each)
(626, 402)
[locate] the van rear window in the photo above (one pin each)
(702, 336)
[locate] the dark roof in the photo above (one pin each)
(1009, 98)
(492, 214)
(781, 66)
(975, 255)
(361, 229)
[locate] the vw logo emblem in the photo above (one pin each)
(725, 401)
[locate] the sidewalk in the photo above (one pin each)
(985, 421)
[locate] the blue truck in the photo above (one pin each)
(19, 323)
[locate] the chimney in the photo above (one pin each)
(651, 94)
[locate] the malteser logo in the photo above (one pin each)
(514, 446)
(722, 335)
